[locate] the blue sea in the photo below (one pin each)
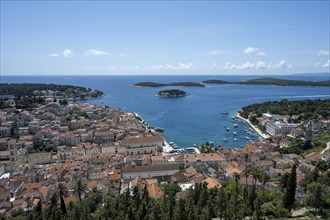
(192, 119)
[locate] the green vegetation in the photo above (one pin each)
(43, 148)
(290, 192)
(149, 84)
(272, 81)
(284, 82)
(34, 89)
(171, 93)
(303, 148)
(216, 81)
(26, 103)
(186, 84)
(233, 201)
(155, 84)
(304, 109)
(208, 147)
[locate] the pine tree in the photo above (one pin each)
(290, 192)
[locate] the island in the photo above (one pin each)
(215, 81)
(272, 81)
(156, 84)
(172, 93)
(284, 82)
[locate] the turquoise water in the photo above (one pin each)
(187, 120)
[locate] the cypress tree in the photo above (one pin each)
(290, 192)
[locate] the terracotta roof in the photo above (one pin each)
(154, 191)
(138, 182)
(313, 156)
(91, 184)
(69, 199)
(232, 170)
(150, 168)
(211, 182)
(114, 176)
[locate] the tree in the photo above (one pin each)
(94, 198)
(290, 192)
(322, 165)
(283, 180)
(236, 178)
(62, 191)
(318, 196)
(80, 189)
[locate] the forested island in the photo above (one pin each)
(155, 84)
(39, 89)
(272, 81)
(172, 93)
(284, 82)
(258, 81)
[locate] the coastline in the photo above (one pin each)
(255, 128)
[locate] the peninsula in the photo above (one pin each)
(41, 89)
(172, 93)
(155, 84)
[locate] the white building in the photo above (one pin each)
(279, 128)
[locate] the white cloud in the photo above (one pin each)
(181, 66)
(53, 55)
(325, 65)
(282, 65)
(257, 65)
(185, 66)
(323, 53)
(67, 53)
(215, 52)
(261, 53)
(254, 50)
(94, 52)
(261, 65)
(92, 68)
(122, 55)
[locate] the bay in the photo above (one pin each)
(189, 120)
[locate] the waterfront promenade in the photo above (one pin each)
(259, 132)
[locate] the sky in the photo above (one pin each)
(164, 37)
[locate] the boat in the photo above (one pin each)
(227, 129)
(225, 140)
(247, 137)
(225, 113)
(171, 143)
(234, 133)
(235, 125)
(159, 129)
(235, 139)
(233, 118)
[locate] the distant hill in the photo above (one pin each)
(155, 84)
(284, 82)
(272, 81)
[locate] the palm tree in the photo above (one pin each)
(95, 195)
(80, 189)
(62, 191)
